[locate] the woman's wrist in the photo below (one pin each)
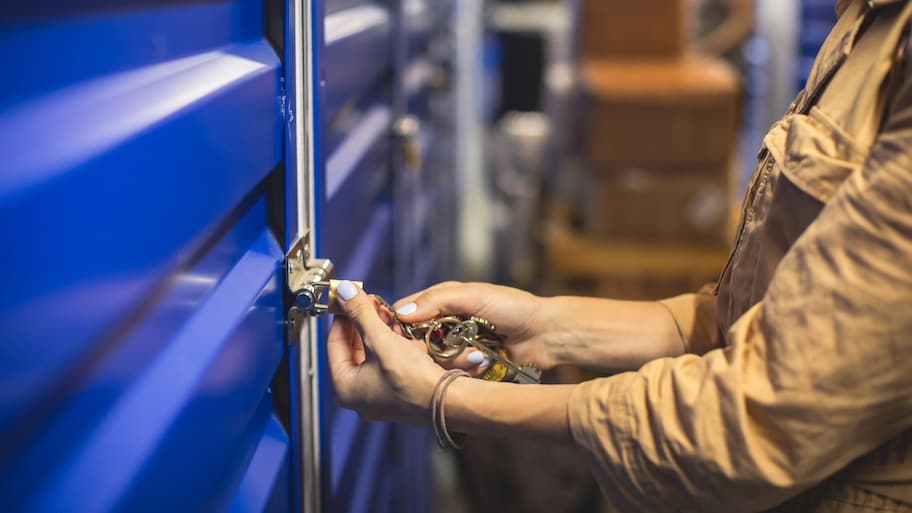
(606, 334)
(557, 326)
(427, 385)
(478, 407)
(544, 329)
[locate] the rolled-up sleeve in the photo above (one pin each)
(815, 375)
(695, 316)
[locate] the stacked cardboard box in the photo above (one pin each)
(626, 29)
(586, 265)
(661, 135)
(661, 127)
(660, 111)
(660, 124)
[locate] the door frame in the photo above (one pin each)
(300, 218)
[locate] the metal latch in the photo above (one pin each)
(309, 281)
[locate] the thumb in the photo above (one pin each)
(361, 309)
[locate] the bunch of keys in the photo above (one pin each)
(446, 337)
(449, 336)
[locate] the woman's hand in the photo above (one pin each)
(375, 371)
(518, 316)
(598, 334)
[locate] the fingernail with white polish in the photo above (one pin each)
(347, 290)
(485, 363)
(475, 357)
(408, 308)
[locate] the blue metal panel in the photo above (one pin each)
(142, 305)
(365, 139)
(385, 501)
(52, 44)
(357, 184)
(423, 21)
(412, 460)
(357, 53)
(365, 473)
(116, 182)
(356, 77)
(265, 486)
(376, 467)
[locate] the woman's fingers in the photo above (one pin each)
(345, 354)
(478, 362)
(410, 299)
(372, 323)
(362, 310)
(472, 360)
(446, 298)
(343, 347)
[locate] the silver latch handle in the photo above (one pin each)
(308, 279)
(308, 297)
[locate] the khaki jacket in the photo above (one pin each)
(796, 393)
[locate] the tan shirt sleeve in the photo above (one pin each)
(815, 375)
(695, 315)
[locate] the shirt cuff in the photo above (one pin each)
(683, 309)
(695, 315)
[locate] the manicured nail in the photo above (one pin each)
(408, 308)
(485, 363)
(475, 357)
(347, 290)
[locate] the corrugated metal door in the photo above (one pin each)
(141, 309)
(354, 220)
(425, 175)
(368, 467)
(426, 179)
(154, 174)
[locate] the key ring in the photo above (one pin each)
(448, 336)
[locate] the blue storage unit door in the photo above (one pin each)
(368, 467)
(141, 311)
(353, 114)
(426, 181)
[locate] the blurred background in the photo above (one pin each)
(614, 146)
(167, 165)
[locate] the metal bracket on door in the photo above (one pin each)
(309, 280)
(307, 277)
(304, 277)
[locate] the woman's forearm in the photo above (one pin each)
(609, 335)
(481, 407)
(599, 334)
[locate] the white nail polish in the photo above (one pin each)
(475, 357)
(347, 290)
(408, 308)
(485, 363)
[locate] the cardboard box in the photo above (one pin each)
(572, 256)
(581, 264)
(660, 112)
(667, 205)
(625, 29)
